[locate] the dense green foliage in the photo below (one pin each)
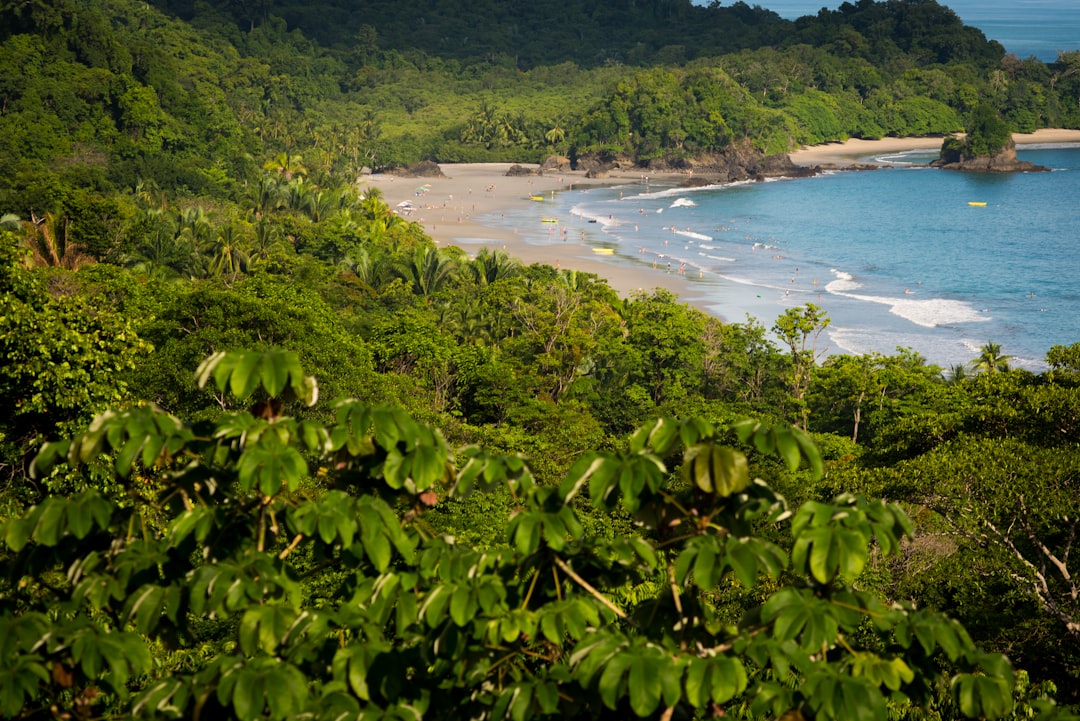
(986, 136)
(264, 554)
(181, 187)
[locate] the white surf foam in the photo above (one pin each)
(691, 234)
(929, 313)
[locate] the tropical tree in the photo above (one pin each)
(799, 329)
(286, 165)
(49, 238)
(491, 265)
(991, 359)
(230, 255)
(428, 270)
(664, 344)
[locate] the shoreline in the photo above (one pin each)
(448, 208)
(856, 150)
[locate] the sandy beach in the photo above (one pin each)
(448, 207)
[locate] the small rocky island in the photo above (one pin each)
(987, 147)
(1003, 161)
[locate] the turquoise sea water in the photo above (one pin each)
(896, 256)
(1025, 27)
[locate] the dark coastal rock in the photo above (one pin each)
(516, 170)
(555, 162)
(738, 162)
(602, 163)
(1004, 161)
(846, 166)
(423, 169)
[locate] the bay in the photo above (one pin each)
(897, 257)
(1024, 27)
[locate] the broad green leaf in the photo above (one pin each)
(788, 448)
(743, 561)
(49, 524)
(697, 682)
(547, 695)
(145, 608)
(244, 376)
(612, 684)
(643, 683)
(521, 703)
(273, 373)
(707, 568)
(462, 605)
(854, 551)
(248, 694)
(823, 560)
(727, 678)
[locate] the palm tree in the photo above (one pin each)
(267, 237)
(492, 265)
(320, 204)
(373, 269)
(48, 239)
(229, 256)
(466, 322)
(267, 195)
(372, 205)
(298, 194)
(428, 270)
(556, 134)
(149, 196)
(286, 165)
(162, 253)
(991, 359)
(957, 374)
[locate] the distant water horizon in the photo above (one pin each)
(1024, 27)
(900, 257)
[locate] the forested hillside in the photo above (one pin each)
(267, 452)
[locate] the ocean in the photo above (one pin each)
(1025, 27)
(898, 257)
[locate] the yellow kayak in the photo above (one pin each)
(977, 203)
(604, 251)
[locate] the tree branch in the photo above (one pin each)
(592, 591)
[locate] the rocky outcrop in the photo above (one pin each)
(738, 162)
(516, 170)
(557, 163)
(423, 169)
(1004, 161)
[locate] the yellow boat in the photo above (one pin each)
(977, 203)
(549, 220)
(536, 197)
(604, 251)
